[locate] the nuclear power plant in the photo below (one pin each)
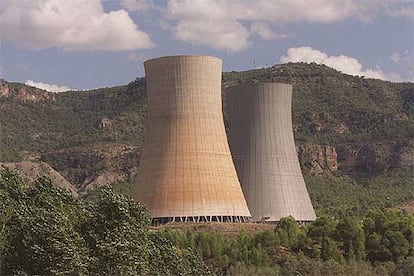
(186, 171)
(263, 149)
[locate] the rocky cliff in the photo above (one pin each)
(316, 158)
(375, 157)
(369, 158)
(24, 93)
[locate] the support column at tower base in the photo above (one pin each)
(197, 219)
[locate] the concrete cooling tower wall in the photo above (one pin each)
(186, 171)
(263, 149)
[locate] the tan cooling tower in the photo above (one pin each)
(186, 171)
(263, 149)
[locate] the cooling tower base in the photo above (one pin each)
(276, 222)
(221, 219)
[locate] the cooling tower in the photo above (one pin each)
(263, 149)
(186, 171)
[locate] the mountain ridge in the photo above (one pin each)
(93, 135)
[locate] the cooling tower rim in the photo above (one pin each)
(177, 57)
(241, 88)
(258, 84)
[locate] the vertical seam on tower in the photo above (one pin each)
(270, 103)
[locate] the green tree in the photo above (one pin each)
(46, 231)
(329, 249)
(42, 235)
(290, 226)
(11, 189)
(116, 234)
(267, 239)
(397, 244)
(388, 234)
(167, 259)
(322, 227)
(350, 233)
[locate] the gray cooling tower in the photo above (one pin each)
(263, 150)
(186, 171)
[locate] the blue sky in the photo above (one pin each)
(83, 44)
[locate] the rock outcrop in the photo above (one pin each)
(407, 207)
(368, 158)
(4, 88)
(398, 117)
(375, 157)
(32, 170)
(104, 123)
(91, 168)
(106, 178)
(406, 156)
(317, 158)
(23, 93)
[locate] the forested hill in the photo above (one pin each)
(353, 134)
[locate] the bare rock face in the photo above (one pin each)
(23, 93)
(4, 88)
(365, 158)
(407, 207)
(396, 117)
(104, 123)
(106, 178)
(317, 158)
(375, 157)
(406, 157)
(32, 170)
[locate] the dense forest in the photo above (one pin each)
(47, 231)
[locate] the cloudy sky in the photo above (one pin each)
(82, 44)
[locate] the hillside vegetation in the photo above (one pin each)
(41, 125)
(355, 143)
(94, 137)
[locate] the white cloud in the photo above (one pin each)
(345, 64)
(71, 25)
(205, 23)
(402, 57)
(265, 32)
(405, 61)
(248, 17)
(135, 5)
(228, 35)
(48, 87)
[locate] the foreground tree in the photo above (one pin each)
(116, 235)
(46, 231)
(42, 236)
